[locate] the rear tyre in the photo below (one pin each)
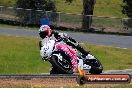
(96, 66)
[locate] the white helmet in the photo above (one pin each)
(44, 31)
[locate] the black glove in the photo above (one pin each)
(55, 34)
(73, 40)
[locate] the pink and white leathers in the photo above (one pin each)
(69, 51)
(48, 46)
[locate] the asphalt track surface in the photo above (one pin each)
(106, 40)
(46, 75)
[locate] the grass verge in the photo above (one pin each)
(18, 27)
(111, 58)
(20, 55)
(102, 7)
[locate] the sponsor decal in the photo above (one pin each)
(104, 79)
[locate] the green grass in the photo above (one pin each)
(18, 27)
(112, 58)
(7, 2)
(109, 8)
(102, 7)
(20, 55)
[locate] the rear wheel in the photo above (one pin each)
(96, 66)
(61, 64)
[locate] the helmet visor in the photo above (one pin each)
(43, 34)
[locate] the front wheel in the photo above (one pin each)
(54, 71)
(62, 65)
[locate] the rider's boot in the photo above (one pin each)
(85, 53)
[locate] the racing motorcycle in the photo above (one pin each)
(59, 54)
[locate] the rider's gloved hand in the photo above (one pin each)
(71, 39)
(62, 35)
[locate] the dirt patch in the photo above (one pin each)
(52, 83)
(38, 83)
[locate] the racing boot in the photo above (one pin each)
(85, 54)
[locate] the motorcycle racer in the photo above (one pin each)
(46, 33)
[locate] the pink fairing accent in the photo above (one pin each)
(70, 51)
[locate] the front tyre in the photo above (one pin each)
(54, 71)
(62, 65)
(96, 67)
